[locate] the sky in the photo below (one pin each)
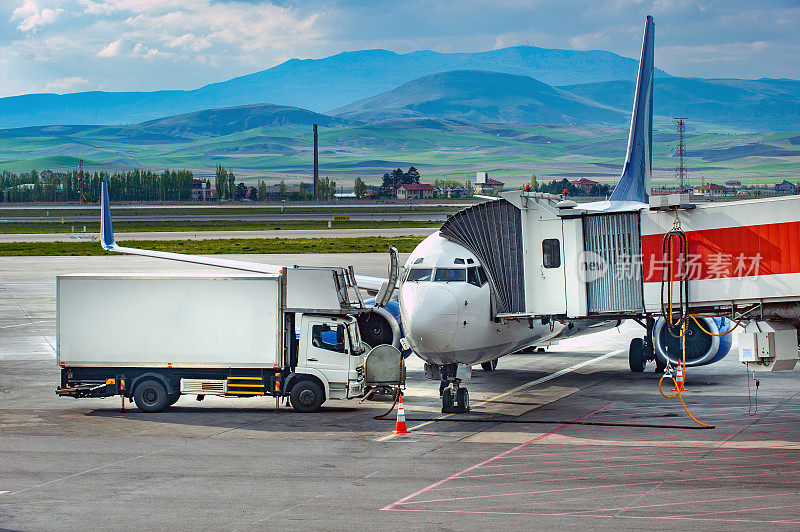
(66, 46)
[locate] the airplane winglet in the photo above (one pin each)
(106, 230)
(634, 183)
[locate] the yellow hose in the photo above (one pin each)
(677, 387)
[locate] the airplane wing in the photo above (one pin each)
(107, 240)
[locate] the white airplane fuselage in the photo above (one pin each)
(445, 307)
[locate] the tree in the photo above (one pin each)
(262, 191)
(241, 191)
(412, 176)
(282, 190)
(359, 187)
(468, 186)
(221, 182)
(534, 183)
(231, 185)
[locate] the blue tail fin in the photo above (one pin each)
(106, 231)
(634, 184)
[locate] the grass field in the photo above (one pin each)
(153, 227)
(510, 152)
(404, 244)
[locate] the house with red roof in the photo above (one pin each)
(486, 185)
(415, 191)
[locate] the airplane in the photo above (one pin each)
(441, 310)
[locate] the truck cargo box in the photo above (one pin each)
(180, 320)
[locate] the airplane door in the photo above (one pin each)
(546, 269)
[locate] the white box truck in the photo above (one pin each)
(151, 338)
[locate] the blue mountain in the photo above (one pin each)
(315, 84)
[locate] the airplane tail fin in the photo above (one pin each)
(106, 230)
(634, 184)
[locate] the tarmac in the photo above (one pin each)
(522, 460)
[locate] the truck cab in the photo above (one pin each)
(330, 348)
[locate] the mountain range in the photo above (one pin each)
(315, 84)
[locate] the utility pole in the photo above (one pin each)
(316, 162)
(680, 151)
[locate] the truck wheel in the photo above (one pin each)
(636, 359)
(306, 396)
(150, 396)
(173, 398)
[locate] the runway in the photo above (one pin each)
(237, 463)
(409, 216)
(209, 235)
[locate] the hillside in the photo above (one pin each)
(218, 122)
(315, 84)
(476, 96)
(756, 105)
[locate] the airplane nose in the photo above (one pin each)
(431, 317)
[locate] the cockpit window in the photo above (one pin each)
(450, 274)
(458, 261)
(419, 260)
(419, 274)
(476, 276)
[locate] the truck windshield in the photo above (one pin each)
(355, 339)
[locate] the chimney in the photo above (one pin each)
(316, 161)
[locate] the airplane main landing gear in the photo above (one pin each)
(642, 350)
(455, 399)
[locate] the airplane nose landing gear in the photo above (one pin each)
(455, 399)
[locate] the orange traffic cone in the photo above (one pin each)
(679, 380)
(400, 426)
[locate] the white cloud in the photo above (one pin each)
(67, 84)
(588, 41)
(112, 49)
(141, 50)
(32, 16)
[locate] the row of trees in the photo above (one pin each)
(558, 186)
(392, 180)
(77, 185)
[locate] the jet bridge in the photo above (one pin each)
(547, 257)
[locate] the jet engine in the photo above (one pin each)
(381, 325)
(701, 348)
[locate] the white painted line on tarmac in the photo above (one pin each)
(23, 324)
(519, 388)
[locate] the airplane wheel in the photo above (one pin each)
(462, 400)
(636, 359)
(660, 366)
(489, 366)
(447, 401)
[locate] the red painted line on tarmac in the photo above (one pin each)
(496, 457)
(604, 486)
(757, 521)
(651, 494)
(629, 457)
(593, 477)
(681, 503)
(638, 464)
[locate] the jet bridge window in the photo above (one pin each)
(450, 274)
(551, 253)
(419, 274)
